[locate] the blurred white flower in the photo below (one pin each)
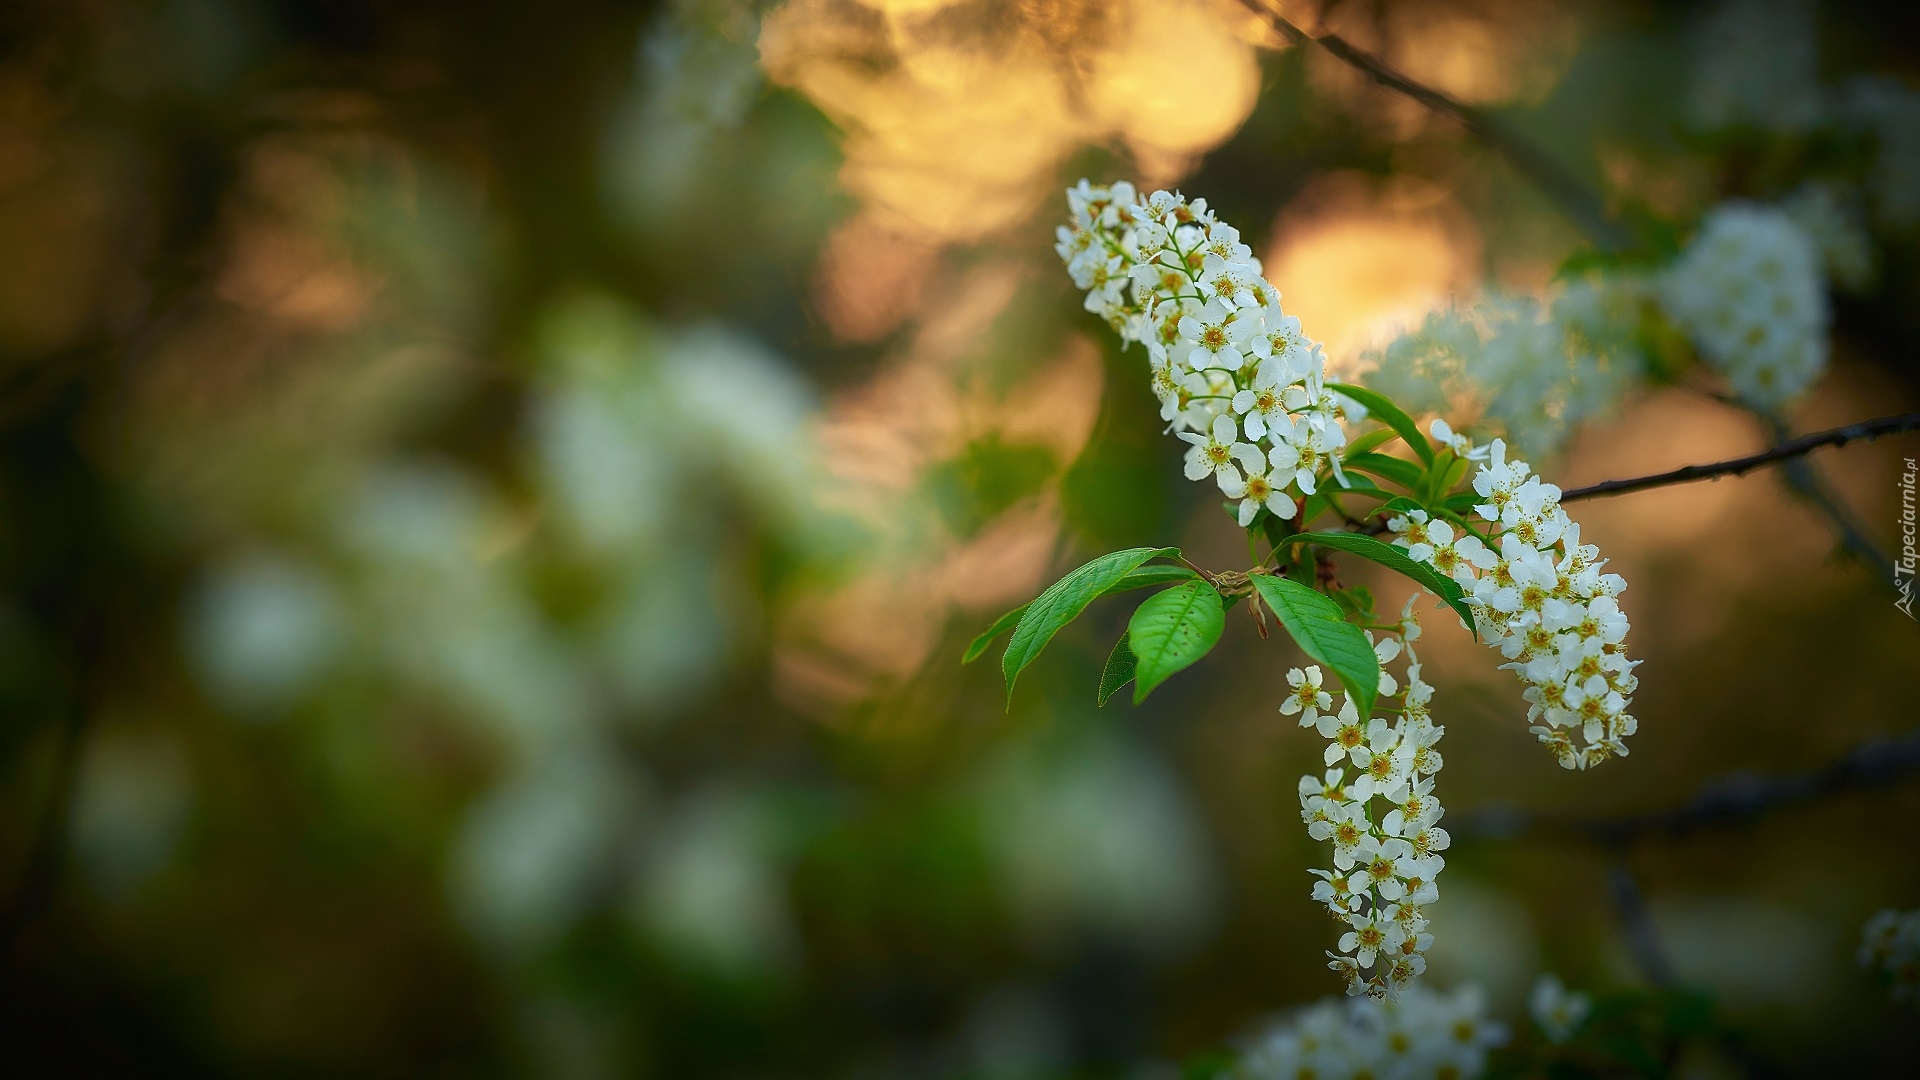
(612, 484)
(709, 891)
(1533, 371)
(1890, 948)
(1834, 220)
(1758, 66)
(1102, 838)
(131, 801)
(260, 628)
(694, 82)
(1422, 1035)
(1890, 111)
(1559, 1012)
(533, 851)
(663, 637)
(450, 616)
(1749, 291)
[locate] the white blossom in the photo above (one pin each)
(1235, 375)
(1538, 595)
(1308, 696)
(1376, 806)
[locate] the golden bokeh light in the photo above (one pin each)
(1358, 259)
(956, 118)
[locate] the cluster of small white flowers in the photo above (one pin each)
(1384, 871)
(1539, 596)
(1422, 1034)
(1531, 370)
(1749, 291)
(1559, 1012)
(1890, 946)
(1235, 375)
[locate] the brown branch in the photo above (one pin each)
(1636, 923)
(1792, 448)
(1729, 801)
(1803, 481)
(1580, 205)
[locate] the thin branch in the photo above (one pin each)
(1636, 922)
(1580, 205)
(1729, 801)
(1803, 481)
(1792, 448)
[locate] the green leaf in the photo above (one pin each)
(1355, 600)
(1355, 485)
(1372, 439)
(1063, 601)
(1171, 630)
(1390, 414)
(1404, 473)
(1148, 576)
(1325, 635)
(1145, 577)
(1315, 505)
(1454, 475)
(1396, 559)
(1118, 672)
(1000, 626)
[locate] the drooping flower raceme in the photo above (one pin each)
(1539, 596)
(1890, 947)
(1375, 804)
(1423, 1034)
(1749, 291)
(1236, 377)
(1244, 387)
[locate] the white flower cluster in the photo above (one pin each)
(1538, 595)
(1235, 375)
(1749, 291)
(1531, 370)
(1422, 1034)
(1890, 945)
(1384, 871)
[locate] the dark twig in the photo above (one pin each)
(1580, 205)
(38, 883)
(1789, 449)
(1803, 481)
(1636, 922)
(1728, 801)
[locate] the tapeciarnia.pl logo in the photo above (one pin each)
(1903, 567)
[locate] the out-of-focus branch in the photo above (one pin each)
(1786, 450)
(1729, 801)
(1636, 922)
(1574, 199)
(1804, 482)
